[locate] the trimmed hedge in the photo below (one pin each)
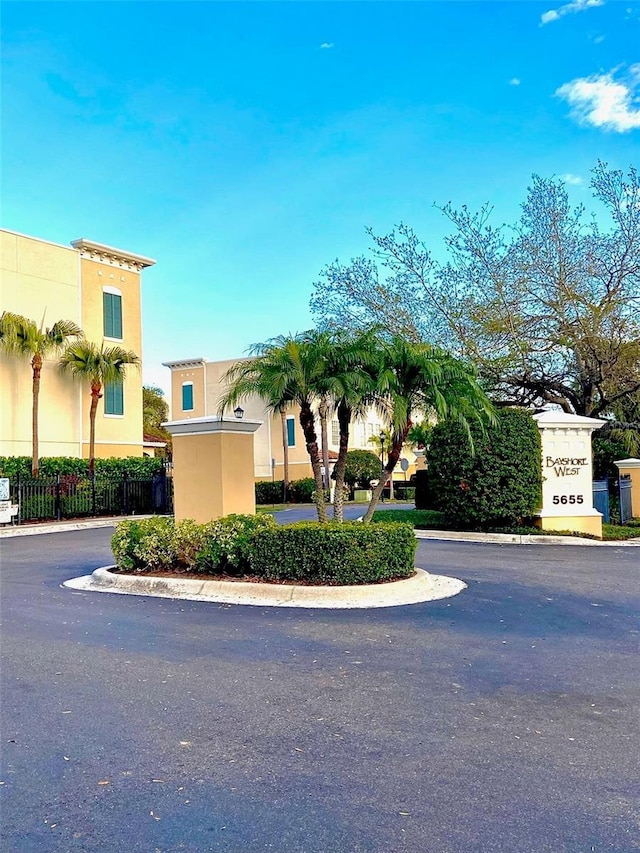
(134, 466)
(350, 553)
(161, 544)
(498, 485)
(237, 545)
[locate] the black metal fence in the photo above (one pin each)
(73, 496)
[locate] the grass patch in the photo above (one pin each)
(429, 519)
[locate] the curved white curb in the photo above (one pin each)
(419, 588)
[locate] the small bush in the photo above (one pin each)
(362, 466)
(351, 553)
(268, 492)
(301, 491)
(146, 545)
(227, 543)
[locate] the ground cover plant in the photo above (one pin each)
(255, 547)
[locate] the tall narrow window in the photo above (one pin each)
(113, 398)
(291, 432)
(187, 396)
(335, 432)
(112, 309)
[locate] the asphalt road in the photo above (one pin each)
(504, 719)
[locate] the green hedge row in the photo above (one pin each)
(351, 553)
(300, 491)
(238, 545)
(133, 466)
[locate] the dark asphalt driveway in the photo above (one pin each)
(505, 719)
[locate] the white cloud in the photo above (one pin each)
(568, 9)
(569, 178)
(603, 102)
(515, 81)
(326, 45)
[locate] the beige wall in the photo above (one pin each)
(43, 280)
(212, 475)
(179, 376)
(113, 430)
(40, 281)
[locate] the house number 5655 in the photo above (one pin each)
(568, 499)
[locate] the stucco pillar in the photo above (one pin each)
(632, 468)
(567, 473)
(213, 469)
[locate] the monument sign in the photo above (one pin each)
(567, 473)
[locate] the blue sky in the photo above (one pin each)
(245, 145)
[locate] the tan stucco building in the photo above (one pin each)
(196, 389)
(98, 288)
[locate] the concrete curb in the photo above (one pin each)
(515, 539)
(64, 526)
(415, 590)
(444, 535)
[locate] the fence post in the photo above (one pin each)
(58, 509)
(19, 496)
(93, 493)
(125, 494)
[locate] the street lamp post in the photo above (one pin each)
(381, 437)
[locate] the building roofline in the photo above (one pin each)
(37, 239)
(91, 249)
(183, 362)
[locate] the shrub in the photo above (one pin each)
(268, 492)
(350, 553)
(226, 547)
(500, 485)
(301, 491)
(362, 466)
(145, 546)
(133, 466)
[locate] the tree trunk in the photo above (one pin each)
(307, 422)
(392, 461)
(324, 434)
(344, 419)
(36, 365)
(96, 387)
(285, 456)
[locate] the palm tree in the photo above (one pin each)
(344, 383)
(97, 365)
(283, 372)
(417, 377)
(22, 337)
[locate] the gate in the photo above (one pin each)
(624, 484)
(601, 498)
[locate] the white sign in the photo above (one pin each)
(567, 472)
(4, 488)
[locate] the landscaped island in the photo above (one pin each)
(255, 547)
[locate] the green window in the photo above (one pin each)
(291, 432)
(112, 305)
(187, 397)
(113, 398)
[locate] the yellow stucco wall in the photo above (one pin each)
(40, 281)
(117, 430)
(43, 280)
(212, 475)
(179, 377)
(634, 472)
(591, 524)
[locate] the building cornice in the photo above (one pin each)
(183, 363)
(110, 255)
